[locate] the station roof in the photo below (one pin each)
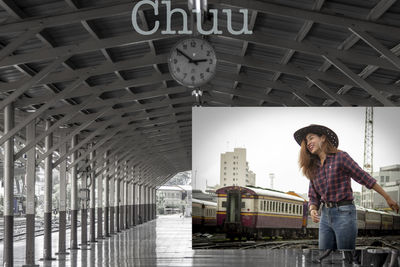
(81, 64)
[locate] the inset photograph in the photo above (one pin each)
(296, 178)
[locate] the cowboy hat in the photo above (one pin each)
(301, 134)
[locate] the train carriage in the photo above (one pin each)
(250, 210)
(396, 222)
(203, 215)
(386, 221)
(361, 219)
(373, 221)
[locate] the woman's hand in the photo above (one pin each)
(314, 216)
(392, 204)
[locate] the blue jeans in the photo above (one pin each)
(338, 227)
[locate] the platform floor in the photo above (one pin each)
(166, 241)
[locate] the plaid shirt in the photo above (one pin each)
(332, 181)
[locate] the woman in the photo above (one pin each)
(329, 171)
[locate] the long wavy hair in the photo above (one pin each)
(308, 162)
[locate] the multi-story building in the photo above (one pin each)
(235, 169)
(389, 178)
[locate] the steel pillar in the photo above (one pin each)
(92, 200)
(107, 200)
(112, 200)
(62, 204)
(100, 207)
(30, 197)
(48, 188)
(8, 250)
(74, 197)
(84, 212)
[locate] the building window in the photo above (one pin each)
(382, 179)
(387, 178)
(224, 162)
(224, 173)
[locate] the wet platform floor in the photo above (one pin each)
(166, 241)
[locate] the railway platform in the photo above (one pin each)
(166, 241)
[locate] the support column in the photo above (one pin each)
(112, 200)
(107, 196)
(84, 211)
(155, 203)
(135, 195)
(127, 203)
(30, 178)
(151, 204)
(145, 195)
(63, 201)
(74, 197)
(48, 188)
(122, 205)
(117, 199)
(8, 250)
(92, 200)
(100, 207)
(139, 204)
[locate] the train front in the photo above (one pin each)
(230, 217)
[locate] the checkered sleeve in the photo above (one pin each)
(358, 174)
(314, 197)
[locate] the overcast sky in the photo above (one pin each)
(267, 134)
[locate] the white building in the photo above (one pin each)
(173, 199)
(389, 178)
(235, 169)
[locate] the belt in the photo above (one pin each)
(338, 204)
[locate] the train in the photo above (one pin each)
(255, 212)
(204, 216)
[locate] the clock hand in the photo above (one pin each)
(186, 56)
(183, 54)
(199, 60)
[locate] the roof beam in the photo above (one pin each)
(373, 15)
(41, 110)
(377, 46)
(361, 82)
(294, 70)
(32, 81)
(22, 38)
(292, 12)
(309, 48)
(76, 16)
(252, 22)
(106, 67)
(83, 47)
(12, 9)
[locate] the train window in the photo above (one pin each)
(301, 209)
(286, 207)
(243, 205)
(223, 204)
(265, 205)
(261, 205)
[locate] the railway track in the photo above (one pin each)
(391, 242)
(20, 228)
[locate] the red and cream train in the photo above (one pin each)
(255, 212)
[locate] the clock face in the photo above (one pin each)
(192, 62)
